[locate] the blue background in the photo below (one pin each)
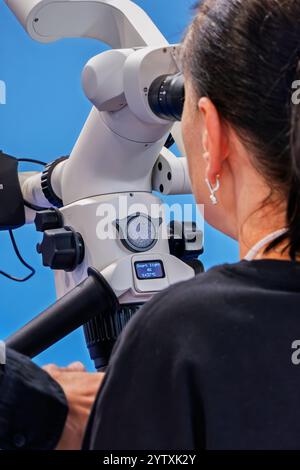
(44, 114)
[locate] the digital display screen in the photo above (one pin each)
(149, 270)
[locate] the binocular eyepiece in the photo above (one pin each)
(166, 97)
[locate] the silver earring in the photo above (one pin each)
(213, 190)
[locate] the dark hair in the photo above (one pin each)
(244, 56)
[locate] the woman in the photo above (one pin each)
(208, 364)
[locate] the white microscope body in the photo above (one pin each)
(119, 157)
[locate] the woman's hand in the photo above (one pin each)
(80, 388)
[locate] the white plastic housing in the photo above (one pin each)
(103, 162)
(103, 81)
(119, 77)
(171, 174)
(119, 23)
(110, 256)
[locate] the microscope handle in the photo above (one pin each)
(92, 297)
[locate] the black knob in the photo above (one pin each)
(197, 265)
(185, 241)
(48, 220)
(62, 249)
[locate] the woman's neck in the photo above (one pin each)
(259, 226)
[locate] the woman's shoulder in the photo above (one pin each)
(190, 317)
(208, 287)
(193, 303)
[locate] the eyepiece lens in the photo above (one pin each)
(166, 97)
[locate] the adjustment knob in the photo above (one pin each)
(186, 240)
(48, 220)
(62, 249)
(46, 184)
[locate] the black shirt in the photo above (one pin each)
(33, 407)
(208, 364)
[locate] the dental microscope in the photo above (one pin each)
(105, 232)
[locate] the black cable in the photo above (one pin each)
(26, 203)
(20, 257)
(12, 237)
(34, 207)
(31, 160)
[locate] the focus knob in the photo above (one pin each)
(46, 184)
(48, 219)
(62, 249)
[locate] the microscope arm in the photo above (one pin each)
(118, 23)
(167, 164)
(32, 191)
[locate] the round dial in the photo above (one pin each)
(141, 233)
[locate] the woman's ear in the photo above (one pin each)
(215, 139)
